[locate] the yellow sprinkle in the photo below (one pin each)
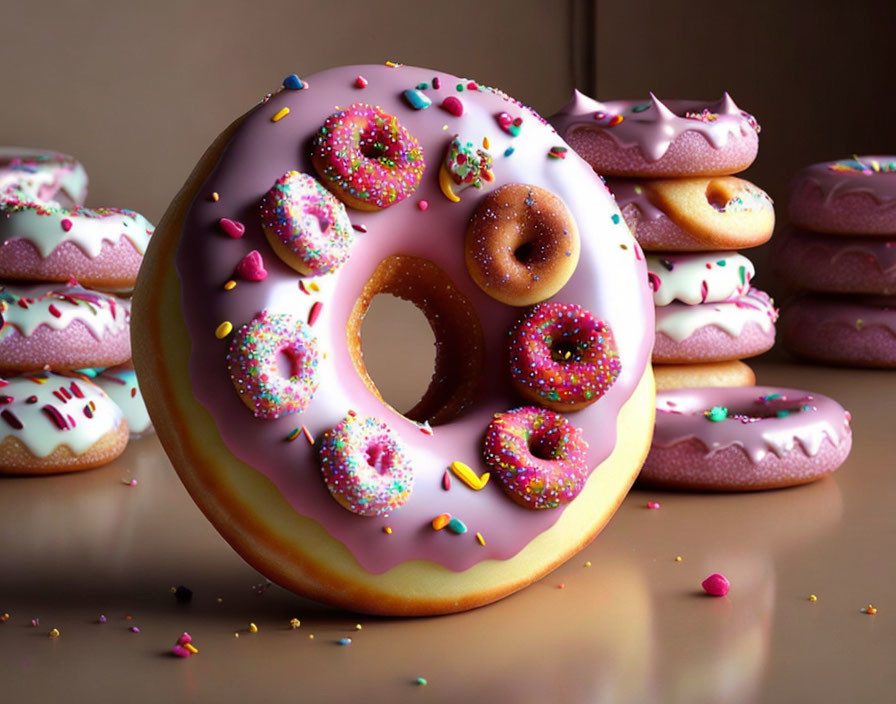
(215, 196)
(294, 623)
(875, 164)
(480, 539)
(311, 636)
(485, 143)
(812, 597)
(468, 476)
(283, 112)
(445, 183)
(393, 64)
(54, 633)
(387, 530)
(588, 563)
(230, 285)
(444, 127)
(224, 329)
(220, 600)
(678, 558)
(313, 286)
(191, 648)
(440, 521)
(871, 609)
(358, 626)
(236, 635)
(253, 628)
(4, 617)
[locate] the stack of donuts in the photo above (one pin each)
(840, 252)
(68, 395)
(669, 165)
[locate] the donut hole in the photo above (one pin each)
(379, 455)
(524, 252)
(565, 350)
(544, 445)
(289, 364)
(719, 194)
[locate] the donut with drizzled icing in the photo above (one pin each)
(457, 541)
(42, 175)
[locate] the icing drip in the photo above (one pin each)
(679, 321)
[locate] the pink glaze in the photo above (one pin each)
(857, 331)
(41, 175)
(659, 138)
(610, 280)
(812, 261)
(849, 196)
(761, 438)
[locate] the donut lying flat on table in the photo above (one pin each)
(254, 377)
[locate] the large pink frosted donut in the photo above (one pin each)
(745, 438)
(740, 327)
(812, 261)
(850, 196)
(656, 138)
(62, 328)
(856, 331)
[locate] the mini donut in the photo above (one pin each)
(684, 376)
(654, 138)
(39, 174)
(745, 438)
(850, 197)
(62, 328)
(853, 331)
(562, 357)
(695, 214)
(810, 261)
(522, 244)
(53, 423)
(365, 466)
(538, 457)
(366, 157)
(305, 224)
(101, 248)
(699, 277)
(740, 327)
(458, 541)
(120, 384)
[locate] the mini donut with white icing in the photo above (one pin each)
(47, 326)
(120, 384)
(742, 326)
(745, 438)
(39, 174)
(699, 277)
(44, 241)
(654, 138)
(53, 423)
(851, 196)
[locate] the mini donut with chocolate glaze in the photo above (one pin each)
(52, 423)
(654, 138)
(745, 438)
(848, 197)
(686, 376)
(261, 479)
(695, 214)
(62, 328)
(42, 175)
(522, 244)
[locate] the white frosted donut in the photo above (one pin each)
(700, 277)
(39, 174)
(54, 423)
(120, 384)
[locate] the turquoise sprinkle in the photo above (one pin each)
(641, 108)
(421, 681)
(743, 275)
(615, 218)
(722, 262)
(418, 100)
(716, 414)
(455, 525)
(782, 414)
(422, 86)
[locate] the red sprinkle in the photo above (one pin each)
(76, 390)
(653, 504)
(716, 585)
(12, 419)
(315, 312)
(302, 288)
(453, 105)
(359, 228)
(423, 204)
(66, 224)
(308, 436)
(360, 82)
(232, 228)
(54, 310)
(55, 416)
(446, 480)
(436, 82)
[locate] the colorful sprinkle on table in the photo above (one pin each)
(716, 585)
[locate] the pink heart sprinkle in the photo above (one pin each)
(453, 105)
(504, 119)
(233, 228)
(360, 82)
(181, 651)
(184, 639)
(66, 224)
(251, 267)
(716, 585)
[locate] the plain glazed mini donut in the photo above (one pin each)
(654, 138)
(685, 376)
(745, 438)
(38, 174)
(522, 244)
(458, 541)
(848, 197)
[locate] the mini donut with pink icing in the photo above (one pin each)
(851, 196)
(39, 174)
(853, 331)
(698, 277)
(740, 327)
(53, 423)
(811, 261)
(313, 476)
(695, 214)
(745, 438)
(46, 326)
(101, 248)
(654, 138)
(120, 384)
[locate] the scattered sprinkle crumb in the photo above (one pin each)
(215, 197)
(480, 539)
(253, 628)
(4, 617)
(588, 563)
(54, 633)
(358, 626)
(101, 619)
(220, 600)
(236, 634)
(311, 636)
(678, 558)
(653, 504)
(421, 681)
(812, 597)
(871, 610)
(134, 629)
(423, 204)
(562, 585)
(230, 285)
(35, 622)
(294, 623)
(344, 641)
(716, 585)
(387, 530)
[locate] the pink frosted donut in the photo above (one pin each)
(745, 437)
(562, 356)
(272, 362)
(858, 331)
(740, 327)
(47, 326)
(811, 261)
(38, 174)
(305, 224)
(101, 248)
(367, 158)
(365, 466)
(698, 277)
(538, 457)
(851, 196)
(658, 139)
